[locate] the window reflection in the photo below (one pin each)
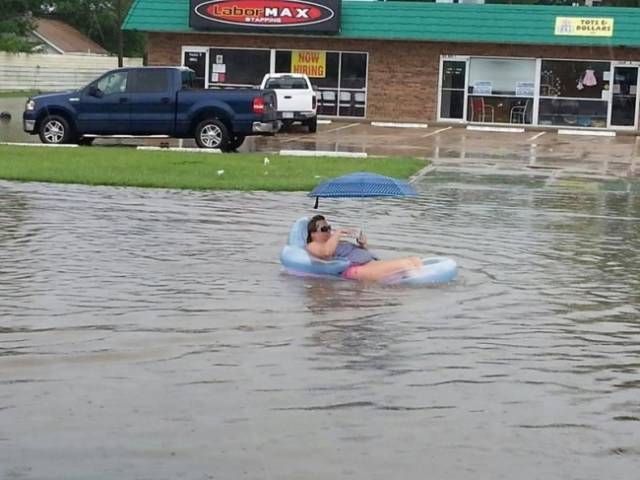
(342, 89)
(572, 112)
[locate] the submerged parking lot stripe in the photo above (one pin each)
(340, 128)
(437, 131)
(537, 135)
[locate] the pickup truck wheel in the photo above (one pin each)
(235, 142)
(54, 130)
(312, 125)
(212, 133)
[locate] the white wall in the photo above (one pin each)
(502, 72)
(51, 72)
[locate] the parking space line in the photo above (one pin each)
(537, 135)
(340, 128)
(598, 133)
(437, 131)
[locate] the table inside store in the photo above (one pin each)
(502, 107)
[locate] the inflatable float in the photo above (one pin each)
(297, 261)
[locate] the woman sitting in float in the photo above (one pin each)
(314, 249)
(327, 244)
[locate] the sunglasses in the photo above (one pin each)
(324, 229)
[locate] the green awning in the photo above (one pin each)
(520, 24)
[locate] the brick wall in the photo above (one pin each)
(402, 77)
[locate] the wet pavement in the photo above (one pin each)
(545, 152)
(448, 147)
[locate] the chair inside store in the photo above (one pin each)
(359, 104)
(481, 112)
(327, 104)
(346, 104)
(519, 112)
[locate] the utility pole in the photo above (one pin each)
(120, 35)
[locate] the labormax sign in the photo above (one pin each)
(260, 15)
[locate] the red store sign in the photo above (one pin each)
(260, 15)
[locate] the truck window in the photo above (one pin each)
(188, 79)
(287, 83)
(153, 80)
(115, 82)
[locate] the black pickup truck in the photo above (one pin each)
(152, 101)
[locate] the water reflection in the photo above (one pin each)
(136, 319)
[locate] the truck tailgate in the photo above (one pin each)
(291, 100)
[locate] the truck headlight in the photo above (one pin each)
(31, 105)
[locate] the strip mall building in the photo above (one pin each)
(414, 62)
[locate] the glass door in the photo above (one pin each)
(196, 59)
(624, 96)
(453, 80)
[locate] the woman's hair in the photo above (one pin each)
(312, 226)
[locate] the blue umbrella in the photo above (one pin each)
(362, 185)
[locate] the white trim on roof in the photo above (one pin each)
(48, 42)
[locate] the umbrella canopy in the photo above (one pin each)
(362, 185)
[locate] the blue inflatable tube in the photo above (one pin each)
(296, 260)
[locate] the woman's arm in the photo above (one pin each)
(327, 249)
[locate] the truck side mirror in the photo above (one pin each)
(94, 91)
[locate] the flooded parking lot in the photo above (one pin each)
(149, 334)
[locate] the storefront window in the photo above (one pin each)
(501, 90)
(624, 90)
(331, 71)
(196, 61)
(567, 78)
(576, 93)
(237, 67)
(572, 112)
(353, 81)
(341, 83)
(453, 86)
(354, 71)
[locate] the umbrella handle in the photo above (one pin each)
(315, 207)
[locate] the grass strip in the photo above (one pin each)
(196, 171)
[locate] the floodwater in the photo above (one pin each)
(149, 334)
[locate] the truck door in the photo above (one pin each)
(103, 106)
(151, 101)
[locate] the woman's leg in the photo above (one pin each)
(379, 269)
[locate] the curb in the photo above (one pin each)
(179, 149)
(21, 144)
(399, 125)
(495, 129)
(320, 153)
(587, 132)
